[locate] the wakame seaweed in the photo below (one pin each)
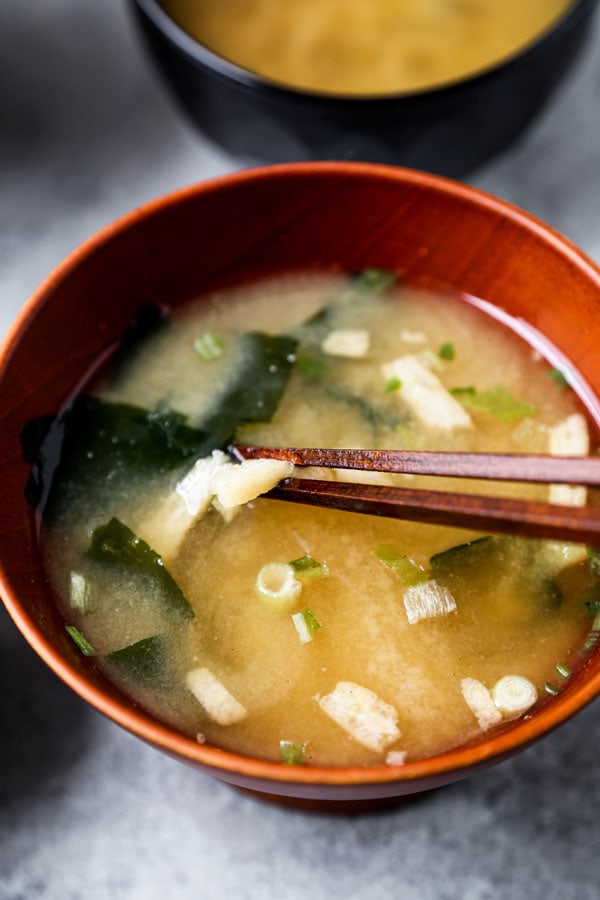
(149, 320)
(375, 281)
(111, 442)
(146, 658)
(117, 545)
(94, 439)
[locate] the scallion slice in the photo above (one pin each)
(82, 594)
(590, 642)
(447, 351)
(551, 688)
(209, 346)
(434, 361)
(558, 377)
(514, 694)
(407, 571)
(392, 384)
(277, 586)
(306, 623)
(497, 401)
(562, 670)
(80, 641)
(375, 281)
(307, 567)
(291, 753)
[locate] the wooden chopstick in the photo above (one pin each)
(492, 466)
(529, 518)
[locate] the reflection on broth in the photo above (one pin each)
(300, 634)
(365, 46)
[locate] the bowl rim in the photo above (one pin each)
(469, 757)
(205, 58)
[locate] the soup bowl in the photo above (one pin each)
(449, 129)
(348, 216)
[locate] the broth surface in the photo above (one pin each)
(519, 603)
(365, 46)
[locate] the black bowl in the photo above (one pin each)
(449, 130)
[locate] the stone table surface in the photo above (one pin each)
(86, 133)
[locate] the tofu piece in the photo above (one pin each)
(363, 715)
(353, 343)
(214, 697)
(166, 529)
(195, 488)
(238, 483)
(427, 600)
(396, 758)
(569, 438)
(413, 337)
(425, 394)
(479, 700)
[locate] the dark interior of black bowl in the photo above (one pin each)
(450, 130)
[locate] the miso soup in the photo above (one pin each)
(365, 46)
(300, 634)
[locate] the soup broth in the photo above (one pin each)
(365, 46)
(296, 633)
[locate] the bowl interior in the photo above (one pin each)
(348, 216)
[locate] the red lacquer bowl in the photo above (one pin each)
(437, 232)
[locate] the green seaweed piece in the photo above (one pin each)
(377, 416)
(97, 440)
(115, 544)
(146, 658)
(462, 557)
(257, 388)
(375, 281)
(150, 320)
(93, 439)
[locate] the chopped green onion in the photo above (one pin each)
(307, 567)
(209, 346)
(433, 360)
(393, 384)
(514, 694)
(563, 670)
(311, 367)
(277, 585)
(374, 280)
(592, 606)
(82, 594)
(495, 400)
(447, 351)
(305, 623)
(557, 377)
(291, 753)
(596, 623)
(80, 642)
(590, 642)
(407, 571)
(552, 688)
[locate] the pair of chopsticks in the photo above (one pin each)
(499, 514)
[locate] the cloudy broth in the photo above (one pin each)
(365, 46)
(409, 625)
